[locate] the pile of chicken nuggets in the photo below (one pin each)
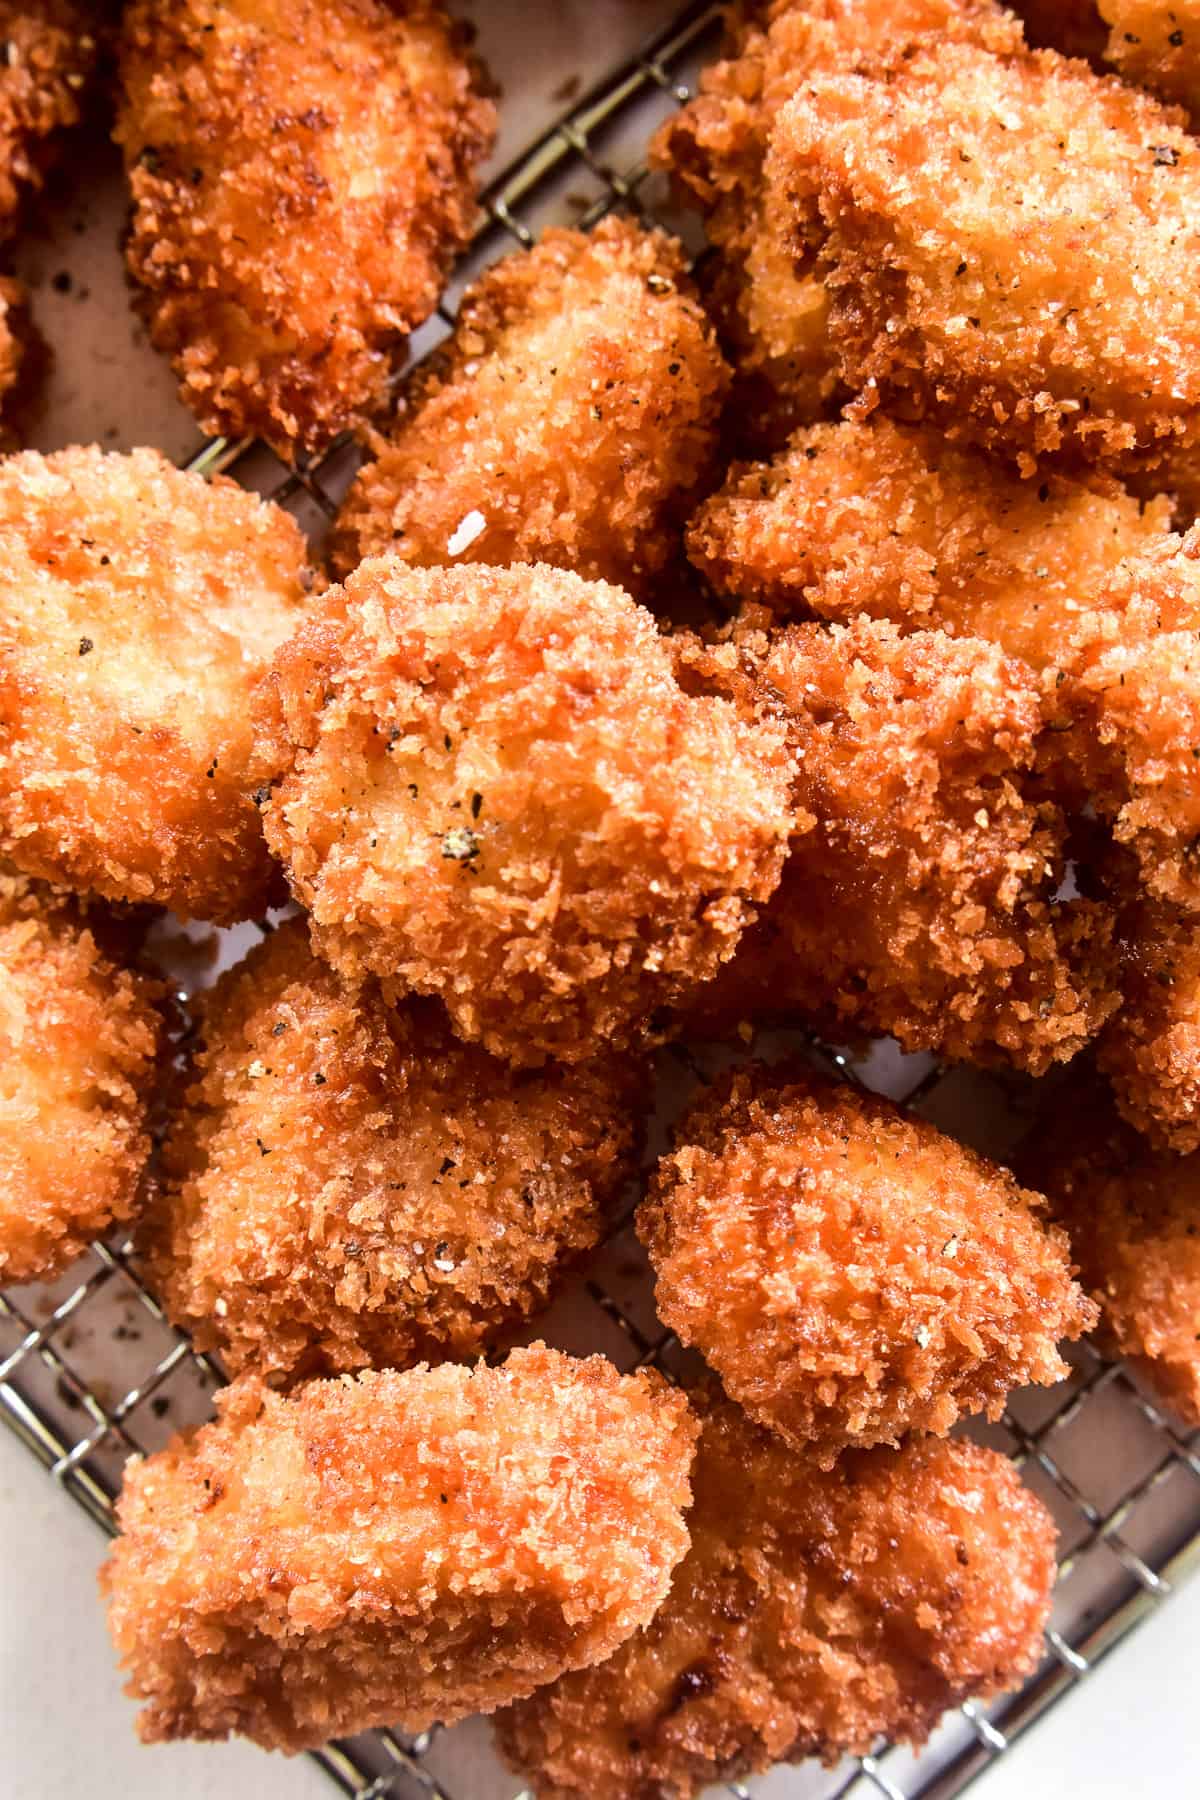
(806, 636)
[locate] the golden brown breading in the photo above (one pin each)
(79, 1039)
(492, 788)
(138, 605)
(302, 176)
(1150, 1049)
(1008, 243)
(570, 420)
(771, 310)
(852, 1274)
(1157, 45)
(17, 335)
(345, 1183)
(50, 51)
(890, 520)
(919, 895)
(813, 1613)
(396, 1548)
(1133, 1217)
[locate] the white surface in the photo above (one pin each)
(66, 1729)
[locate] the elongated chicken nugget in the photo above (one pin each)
(814, 1613)
(79, 1037)
(920, 894)
(395, 1549)
(1133, 1216)
(571, 420)
(345, 1183)
(303, 176)
(492, 788)
(138, 606)
(852, 1274)
(1150, 1049)
(771, 308)
(1008, 244)
(50, 50)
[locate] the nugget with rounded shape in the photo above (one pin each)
(951, 201)
(49, 58)
(852, 1274)
(919, 897)
(814, 1613)
(1150, 1049)
(771, 309)
(138, 606)
(395, 1549)
(571, 419)
(891, 520)
(79, 1037)
(1133, 1217)
(345, 1183)
(1157, 45)
(303, 176)
(492, 788)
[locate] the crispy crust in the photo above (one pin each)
(50, 54)
(396, 1548)
(346, 1184)
(303, 176)
(1150, 1050)
(572, 416)
(852, 1274)
(138, 605)
(1157, 45)
(1133, 1217)
(491, 788)
(79, 1038)
(814, 1613)
(951, 199)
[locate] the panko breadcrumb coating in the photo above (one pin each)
(1150, 1049)
(344, 1183)
(1133, 1216)
(138, 606)
(492, 788)
(814, 1613)
(303, 176)
(1008, 245)
(919, 897)
(772, 310)
(571, 419)
(79, 1039)
(890, 520)
(395, 1549)
(50, 53)
(849, 1273)
(1158, 45)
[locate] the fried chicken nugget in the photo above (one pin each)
(1157, 45)
(814, 1612)
(490, 787)
(954, 203)
(1150, 1049)
(345, 1183)
(396, 1548)
(138, 606)
(303, 176)
(920, 894)
(1133, 1217)
(772, 310)
(571, 419)
(50, 53)
(849, 1273)
(79, 1037)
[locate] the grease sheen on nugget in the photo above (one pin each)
(814, 1613)
(395, 1549)
(345, 1183)
(138, 606)
(79, 1037)
(852, 1274)
(491, 787)
(571, 419)
(303, 175)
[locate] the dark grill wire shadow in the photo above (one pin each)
(1145, 1536)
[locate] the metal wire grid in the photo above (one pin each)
(90, 1371)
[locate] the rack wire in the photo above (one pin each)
(91, 1372)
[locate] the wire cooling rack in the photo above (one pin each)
(90, 1372)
